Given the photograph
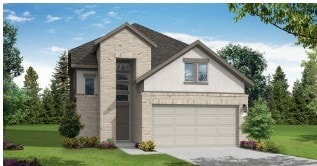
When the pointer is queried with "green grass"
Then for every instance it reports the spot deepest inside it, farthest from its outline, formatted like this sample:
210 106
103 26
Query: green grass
44 143
297 140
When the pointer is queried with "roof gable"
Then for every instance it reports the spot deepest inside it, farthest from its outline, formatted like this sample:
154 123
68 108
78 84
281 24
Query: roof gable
126 25
208 52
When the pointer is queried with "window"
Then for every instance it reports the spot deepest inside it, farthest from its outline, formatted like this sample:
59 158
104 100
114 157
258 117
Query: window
89 86
123 81
189 72
202 72
196 71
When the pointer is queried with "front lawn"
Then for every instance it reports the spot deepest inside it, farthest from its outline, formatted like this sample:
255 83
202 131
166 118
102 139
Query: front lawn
44 143
297 140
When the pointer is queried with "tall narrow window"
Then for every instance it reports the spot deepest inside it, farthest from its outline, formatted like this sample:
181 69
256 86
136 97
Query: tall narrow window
89 86
189 72
202 72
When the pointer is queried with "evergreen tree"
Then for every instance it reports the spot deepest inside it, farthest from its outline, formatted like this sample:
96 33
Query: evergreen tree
258 122
305 92
32 89
48 104
252 64
280 99
61 77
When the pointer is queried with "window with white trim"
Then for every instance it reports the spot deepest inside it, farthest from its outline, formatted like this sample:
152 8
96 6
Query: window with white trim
90 82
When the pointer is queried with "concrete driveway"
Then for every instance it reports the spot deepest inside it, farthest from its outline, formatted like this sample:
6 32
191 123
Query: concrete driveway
232 156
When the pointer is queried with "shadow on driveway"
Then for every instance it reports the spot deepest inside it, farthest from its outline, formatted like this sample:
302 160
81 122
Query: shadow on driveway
269 161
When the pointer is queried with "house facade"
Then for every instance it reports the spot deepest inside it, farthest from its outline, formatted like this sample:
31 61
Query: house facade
135 84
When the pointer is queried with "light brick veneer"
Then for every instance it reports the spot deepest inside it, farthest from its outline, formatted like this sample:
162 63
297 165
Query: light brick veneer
87 108
150 98
124 44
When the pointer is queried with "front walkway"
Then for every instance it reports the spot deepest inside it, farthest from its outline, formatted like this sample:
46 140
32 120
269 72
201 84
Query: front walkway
129 148
232 156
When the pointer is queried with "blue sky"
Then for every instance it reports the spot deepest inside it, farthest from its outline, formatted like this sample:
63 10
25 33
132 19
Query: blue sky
47 29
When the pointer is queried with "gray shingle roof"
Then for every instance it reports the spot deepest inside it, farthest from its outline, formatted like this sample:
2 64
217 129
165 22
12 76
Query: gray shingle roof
166 47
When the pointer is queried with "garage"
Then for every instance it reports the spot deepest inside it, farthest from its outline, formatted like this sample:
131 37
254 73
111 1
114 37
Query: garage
194 125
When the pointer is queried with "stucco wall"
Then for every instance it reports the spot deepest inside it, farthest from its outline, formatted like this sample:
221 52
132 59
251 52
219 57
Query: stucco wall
150 98
171 77
123 44
87 107
80 80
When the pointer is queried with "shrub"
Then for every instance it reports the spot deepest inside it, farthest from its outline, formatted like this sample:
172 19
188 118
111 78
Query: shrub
272 147
70 124
15 162
248 144
109 144
147 146
88 142
70 143
261 146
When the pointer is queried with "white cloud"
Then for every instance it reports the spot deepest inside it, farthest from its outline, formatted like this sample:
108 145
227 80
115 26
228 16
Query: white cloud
113 14
44 72
288 56
51 18
85 15
56 49
78 38
14 18
98 25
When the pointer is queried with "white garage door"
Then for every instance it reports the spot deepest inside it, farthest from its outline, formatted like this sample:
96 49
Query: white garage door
188 125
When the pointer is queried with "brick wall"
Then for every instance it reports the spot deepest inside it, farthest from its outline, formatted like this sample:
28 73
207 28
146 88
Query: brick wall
87 107
124 44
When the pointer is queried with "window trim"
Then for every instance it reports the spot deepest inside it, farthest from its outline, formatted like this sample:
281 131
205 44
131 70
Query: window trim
196 62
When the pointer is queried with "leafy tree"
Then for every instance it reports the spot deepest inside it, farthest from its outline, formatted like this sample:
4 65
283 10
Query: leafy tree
252 64
258 122
14 100
70 124
280 98
298 19
11 55
32 89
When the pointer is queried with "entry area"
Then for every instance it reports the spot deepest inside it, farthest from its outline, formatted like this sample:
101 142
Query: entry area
194 125
123 83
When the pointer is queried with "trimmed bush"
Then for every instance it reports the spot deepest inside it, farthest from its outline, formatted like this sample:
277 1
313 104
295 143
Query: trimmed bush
248 144
272 147
70 143
147 146
15 162
88 142
109 144
81 142
70 124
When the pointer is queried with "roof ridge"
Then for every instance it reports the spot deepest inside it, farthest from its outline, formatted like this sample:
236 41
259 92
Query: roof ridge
142 26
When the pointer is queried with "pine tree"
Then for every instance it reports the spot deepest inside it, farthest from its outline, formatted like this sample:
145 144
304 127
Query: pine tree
305 92
280 99
61 77
32 89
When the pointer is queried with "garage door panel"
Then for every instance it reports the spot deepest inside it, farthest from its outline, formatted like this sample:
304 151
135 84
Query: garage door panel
185 141
185 131
226 131
164 141
207 120
163 120
185 120
184 111
207 141
227 121
226 140
207 131
163 131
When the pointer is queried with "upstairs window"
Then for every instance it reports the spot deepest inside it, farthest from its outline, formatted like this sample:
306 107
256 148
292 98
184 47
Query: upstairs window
90 83
196 71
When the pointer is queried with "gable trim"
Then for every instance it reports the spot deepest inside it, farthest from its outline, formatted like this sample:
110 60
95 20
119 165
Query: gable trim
126 25
210 53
